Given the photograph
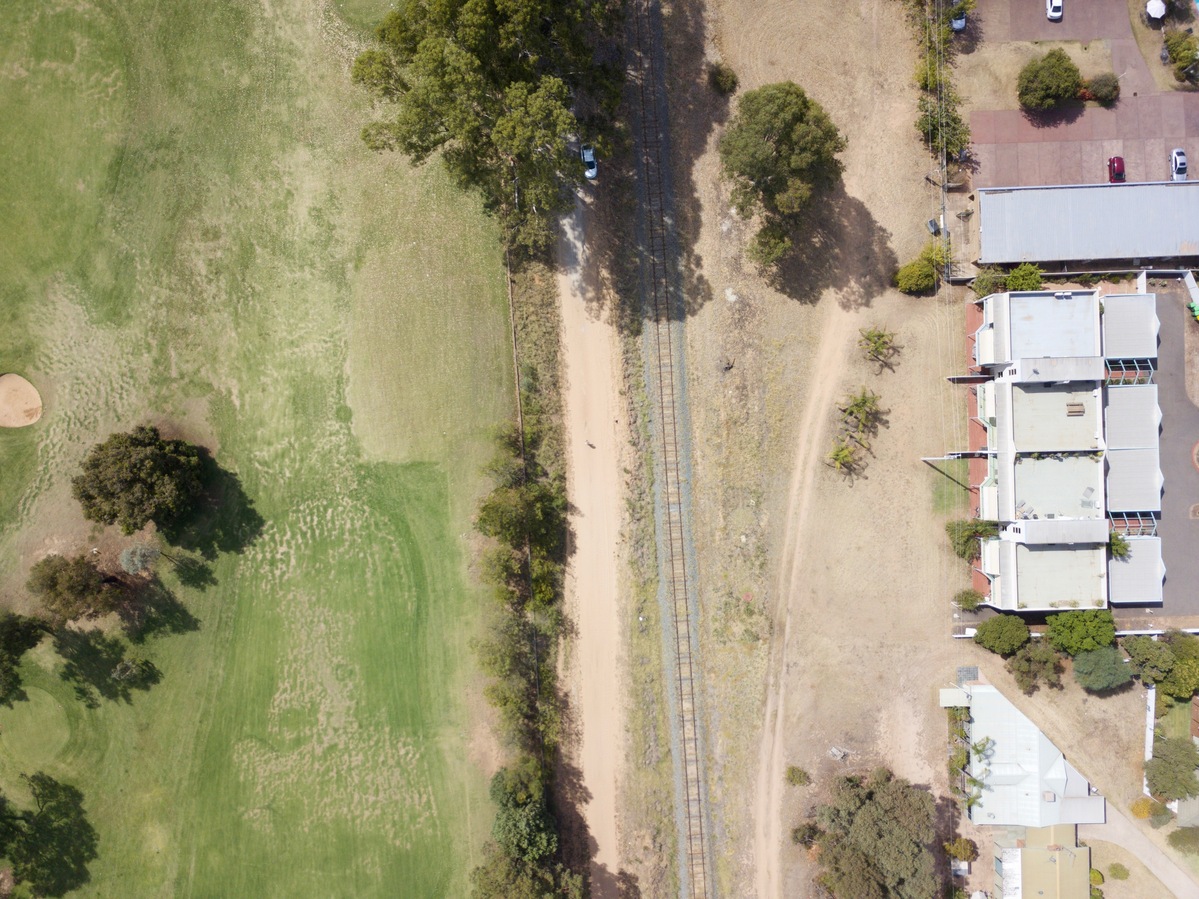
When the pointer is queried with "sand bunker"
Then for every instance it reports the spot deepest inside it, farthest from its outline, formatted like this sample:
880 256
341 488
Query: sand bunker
20 403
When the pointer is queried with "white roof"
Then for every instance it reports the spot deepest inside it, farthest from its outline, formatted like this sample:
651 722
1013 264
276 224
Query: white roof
1130 326
1137 578
1131 416
1044 577
1044 323
1154 220
1064 530
1026 780
1134 480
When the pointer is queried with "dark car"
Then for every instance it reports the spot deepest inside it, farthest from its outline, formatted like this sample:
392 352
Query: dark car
1115 170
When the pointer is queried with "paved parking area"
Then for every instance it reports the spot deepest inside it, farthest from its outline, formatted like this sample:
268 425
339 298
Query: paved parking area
1013 149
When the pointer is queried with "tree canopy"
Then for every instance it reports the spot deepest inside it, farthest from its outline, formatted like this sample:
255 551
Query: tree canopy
780 148
135 478
876 837
1003 634
1149 659
1081 630
71 588
492 87
1171 771
51 844
778 152
18 635
1100 670
1049 81
1033 662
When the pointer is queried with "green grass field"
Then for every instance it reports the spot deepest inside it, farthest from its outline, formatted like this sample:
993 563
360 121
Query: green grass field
194 236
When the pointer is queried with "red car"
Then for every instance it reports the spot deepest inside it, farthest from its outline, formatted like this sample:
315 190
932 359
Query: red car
1115 170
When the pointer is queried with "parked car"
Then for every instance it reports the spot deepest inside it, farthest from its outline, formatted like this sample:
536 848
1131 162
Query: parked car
1178 164
1115 170
1053 10
590 167
957 18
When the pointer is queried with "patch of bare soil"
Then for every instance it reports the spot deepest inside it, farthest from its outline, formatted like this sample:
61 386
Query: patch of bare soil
20 403
987 76
1141 883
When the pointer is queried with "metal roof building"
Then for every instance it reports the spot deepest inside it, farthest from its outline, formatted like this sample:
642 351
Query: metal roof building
1155 220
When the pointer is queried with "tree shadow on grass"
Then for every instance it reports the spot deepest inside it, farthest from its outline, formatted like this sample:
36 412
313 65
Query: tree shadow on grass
54 841
223 520
95 664
155 610
838 246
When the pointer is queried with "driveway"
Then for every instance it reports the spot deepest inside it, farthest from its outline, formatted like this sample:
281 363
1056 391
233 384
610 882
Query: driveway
1013 150
1121 830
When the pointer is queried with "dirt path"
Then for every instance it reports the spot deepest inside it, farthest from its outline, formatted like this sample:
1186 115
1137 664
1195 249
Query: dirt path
594 447
825 381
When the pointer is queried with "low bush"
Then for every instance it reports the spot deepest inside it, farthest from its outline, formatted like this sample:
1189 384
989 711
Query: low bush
1142 807
1003 634
1096 877
917 277
722 78
968 600
962 849
798 777
1104 89
1185 839
1117 871
965 533
1160 815
1025 276
1182 48
989 281
806 834
769 245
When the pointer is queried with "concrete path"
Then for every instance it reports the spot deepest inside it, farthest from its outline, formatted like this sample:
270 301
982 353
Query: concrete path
1122 831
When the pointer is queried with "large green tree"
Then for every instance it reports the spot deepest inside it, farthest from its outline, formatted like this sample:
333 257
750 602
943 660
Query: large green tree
778 152
1081 630
135 478
492 85
1003 634
1100 670
876 837
1171 771
51 844
1048 81
71 588
1033 662
18 635
1151 660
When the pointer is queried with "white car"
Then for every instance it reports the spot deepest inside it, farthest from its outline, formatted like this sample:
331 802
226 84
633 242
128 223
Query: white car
1178 164
1053 10
590 168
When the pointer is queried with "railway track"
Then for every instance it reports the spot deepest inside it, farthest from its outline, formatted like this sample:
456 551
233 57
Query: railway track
695 872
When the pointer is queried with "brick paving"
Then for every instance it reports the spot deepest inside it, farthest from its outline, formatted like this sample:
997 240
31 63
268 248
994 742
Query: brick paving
1013 149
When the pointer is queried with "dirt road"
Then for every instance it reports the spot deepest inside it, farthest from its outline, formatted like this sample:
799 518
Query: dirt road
594 447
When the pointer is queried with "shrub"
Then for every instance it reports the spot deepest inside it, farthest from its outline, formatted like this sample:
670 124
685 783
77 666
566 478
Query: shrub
1183 679
71 588
1101 670
1185 839
1160 815
798 777
917 277
1035 661
806 834
1182 48
1025 276
989 281
1081 631
964 535
1096 877
1105 88
1049 81
940 123
968 600
962 849
1117 546
1117 871
722 78
1141 807
1171 771
1003 634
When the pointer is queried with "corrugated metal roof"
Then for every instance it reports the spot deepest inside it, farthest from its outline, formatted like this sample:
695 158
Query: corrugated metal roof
1153 220
1131 416
1137 578
1130 326
1134 480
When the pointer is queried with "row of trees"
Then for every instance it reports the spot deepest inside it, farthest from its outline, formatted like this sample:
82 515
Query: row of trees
524 516
493 88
